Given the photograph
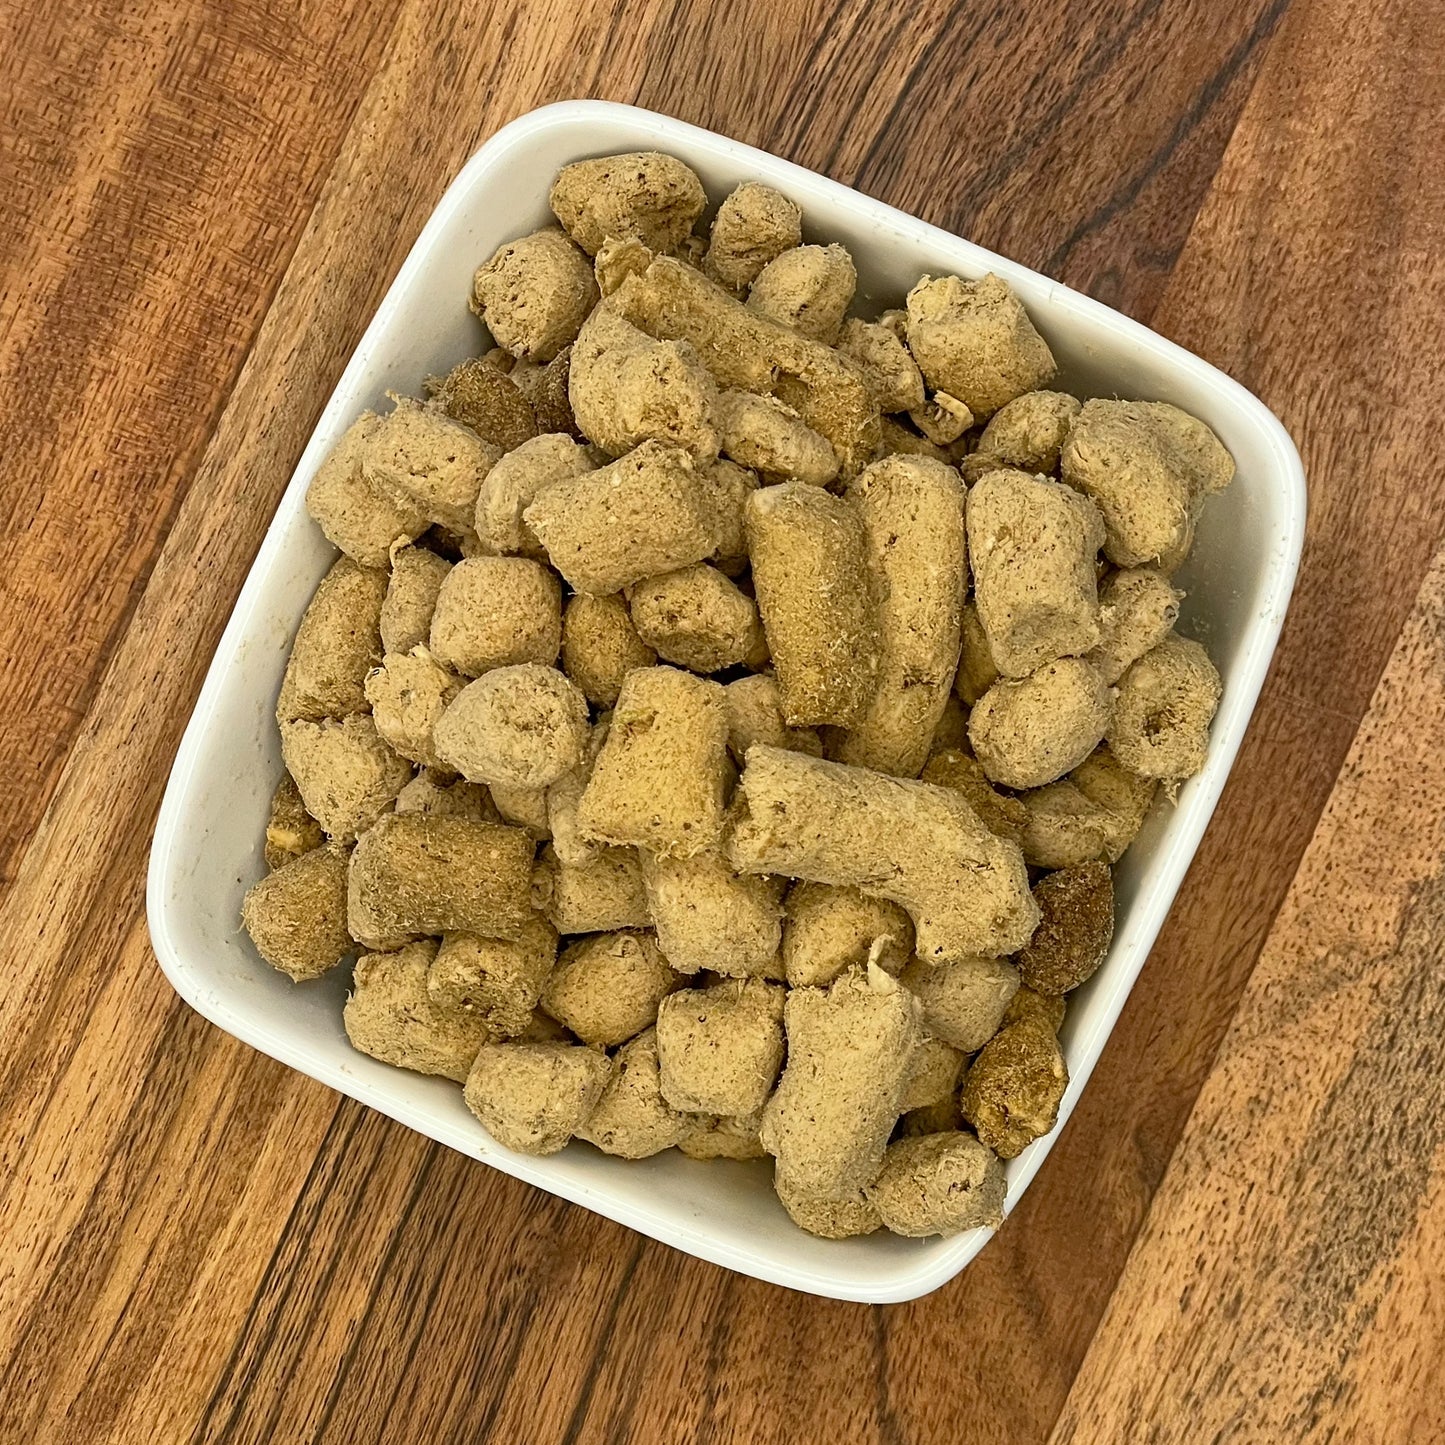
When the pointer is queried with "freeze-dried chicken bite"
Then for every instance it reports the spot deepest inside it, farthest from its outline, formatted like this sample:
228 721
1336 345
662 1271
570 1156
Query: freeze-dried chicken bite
597 896
939 1184
809 289
708 916
942 419
728 487
337 644
1091 815
1076 926
760 432
290 829
516 481
892 374
411 597
1003 815
565 794
932 1074
496 612
754 224
356 515
545 388
1160 727
974 340
408 693
1138 607
721 1047
977 671
600 646
618 258
296 916
1026 433
497 979
648 512
723 1136
1029 731
626 389
521 726
696 618
828 1218
1032 544
533 1097
755 715
654 197
438 793
421 458
346 774
828 930
1013 1089
1040 1008
534 294
817 600
482 396
963 1001
606 988
632 1120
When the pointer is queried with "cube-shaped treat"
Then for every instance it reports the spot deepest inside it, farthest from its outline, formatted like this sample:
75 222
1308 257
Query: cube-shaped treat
632 1120
642 194
939 1184
830 929
1012 1093
516 481
408 694
721 1047
411 598
498 979
808 289
496 612
534 294
600 646
696 618
760 433
1076 926
753 224
723 1136
296 916
963 1001
290 829
346 774
827 1217
603 894
606 988
337 644
534 1097
1160 723
709 916
755 715
357 516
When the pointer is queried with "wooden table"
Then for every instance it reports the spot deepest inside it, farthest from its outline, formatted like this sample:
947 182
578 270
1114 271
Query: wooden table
1239 1237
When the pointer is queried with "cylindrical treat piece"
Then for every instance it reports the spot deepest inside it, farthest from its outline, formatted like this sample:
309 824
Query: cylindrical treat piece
519 726
696 618
721 1047
1091 815
974 340
817 599
1041 1008
408 693
829 930
411 598
708 916
516 482
1138 608
296 916
1013 1089
1029 731
1033 545
600 646
606 988
723 1137
337 644
411 874
534 1097
290 829
1003 815
534 294
653 197
356 516
893 375
842 1218
632 1120
496 612
849 1048
597 896
648 512
919 845
760 432
421 458
1160 726
809 288
498 979
939 1184
912 511
728 487
1027 433
754 224
660 781
344 771
963 1001
1076 926
432 793
755 715
977 671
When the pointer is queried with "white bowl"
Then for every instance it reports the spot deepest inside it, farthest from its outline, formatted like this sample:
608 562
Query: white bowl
207 842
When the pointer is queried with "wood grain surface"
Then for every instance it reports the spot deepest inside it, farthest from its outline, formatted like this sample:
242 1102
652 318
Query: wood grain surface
207 203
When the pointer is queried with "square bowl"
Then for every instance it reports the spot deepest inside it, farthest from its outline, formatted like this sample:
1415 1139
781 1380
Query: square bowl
206 850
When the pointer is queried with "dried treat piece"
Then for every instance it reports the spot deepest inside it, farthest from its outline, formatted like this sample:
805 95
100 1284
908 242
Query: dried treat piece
648 512
411 874
1001 814
1103 780
337 644
977 671
963 1001
760 432
617 259
496 612
523 808
520 726
1093 814
606 988
720 1048
516 481
345 773
483 397
390 1016
644 194
296 916
939 1184
290 829
1076 926
817 599
534 1097
498 979
603 894
1013 1089
1029 731
600 646
829 930
632 1120
897 439
626 389
1148 466
919 845
1137 610
408 693
421 458
661 779
951 731
932 1074
534 294
849 1048
943 419
843 1218
974 340
893 375
708 916
357 516
438 793
545 388
809 288
942 1117
1027 433
755 715
1040 1008
544 1029
1166 701
728 487
912 511
723 1137
564 796
411 597
754 224
1033 544
696 618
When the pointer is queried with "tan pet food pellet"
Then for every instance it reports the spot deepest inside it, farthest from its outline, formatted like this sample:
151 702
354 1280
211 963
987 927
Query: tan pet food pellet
1028 432
598 896
408 693
828 930
411 597
606 988
600 646
421 458
483 397
632 1120
932 1074
809 289
617 259
434 793
893 375
497 612
943 419
523 808
723 1137
844 1218
1125 796
516 481
977 671
355 515
498 979
564 796
533 1097
754 224
708 916
1002 814
290 829
964 1001
761 433
1138 608
755 715
939 1184
1093 814
1013 1089
346 775
390 1016
337 644
1076 926
897 440
654 197
1160 726
696 618
1041 1008
721 1048
728 487
534 294
296 916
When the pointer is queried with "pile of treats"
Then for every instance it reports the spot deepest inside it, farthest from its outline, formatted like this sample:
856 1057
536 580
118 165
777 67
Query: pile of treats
719 727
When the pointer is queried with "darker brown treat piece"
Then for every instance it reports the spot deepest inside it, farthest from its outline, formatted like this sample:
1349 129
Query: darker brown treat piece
1012 1092
477 394
1076 928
